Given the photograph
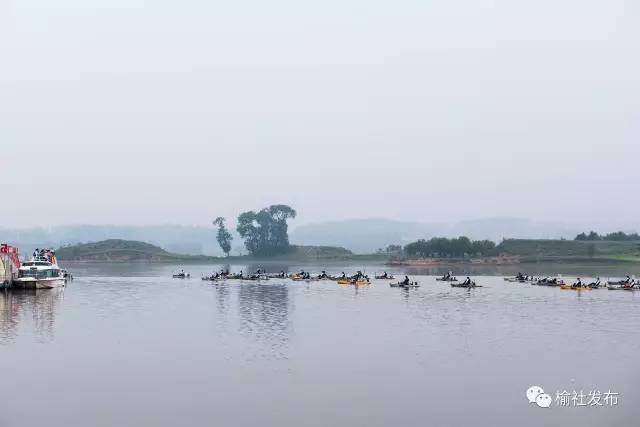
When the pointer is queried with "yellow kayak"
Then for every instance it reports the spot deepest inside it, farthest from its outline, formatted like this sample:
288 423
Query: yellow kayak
581 288
343 281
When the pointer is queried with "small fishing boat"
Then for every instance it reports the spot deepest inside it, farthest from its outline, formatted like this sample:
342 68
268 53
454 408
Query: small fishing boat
402 285
181 276
383 277
463 285
446 279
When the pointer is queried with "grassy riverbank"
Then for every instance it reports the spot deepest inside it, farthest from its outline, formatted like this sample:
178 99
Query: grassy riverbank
521 251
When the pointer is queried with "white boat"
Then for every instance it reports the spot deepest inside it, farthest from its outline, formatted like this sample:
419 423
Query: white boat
39 273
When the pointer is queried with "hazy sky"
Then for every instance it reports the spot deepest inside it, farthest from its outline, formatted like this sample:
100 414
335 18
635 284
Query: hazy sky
157 111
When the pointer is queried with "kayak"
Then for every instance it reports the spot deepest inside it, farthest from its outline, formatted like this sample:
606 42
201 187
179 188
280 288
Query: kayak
450 279
578 288
462 285
543 283
621 288
402 285
352 282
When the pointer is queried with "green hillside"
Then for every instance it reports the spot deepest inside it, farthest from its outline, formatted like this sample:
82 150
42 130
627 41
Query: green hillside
118 250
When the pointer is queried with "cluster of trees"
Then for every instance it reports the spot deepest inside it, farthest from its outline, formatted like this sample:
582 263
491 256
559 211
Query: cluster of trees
391 249
442 247
618 236
265 232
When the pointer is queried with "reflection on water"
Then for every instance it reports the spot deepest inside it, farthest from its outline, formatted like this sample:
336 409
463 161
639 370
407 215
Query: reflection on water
37 307
264 313
138 345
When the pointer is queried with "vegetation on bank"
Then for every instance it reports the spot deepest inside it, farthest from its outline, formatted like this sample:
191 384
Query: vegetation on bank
618 236
440 247
549 250
523 250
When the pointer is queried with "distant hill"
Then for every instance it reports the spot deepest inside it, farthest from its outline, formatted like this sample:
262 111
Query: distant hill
118 250
367 235
192 240
361 235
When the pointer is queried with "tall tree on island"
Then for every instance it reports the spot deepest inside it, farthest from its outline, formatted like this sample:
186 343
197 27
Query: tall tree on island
224 237
266 232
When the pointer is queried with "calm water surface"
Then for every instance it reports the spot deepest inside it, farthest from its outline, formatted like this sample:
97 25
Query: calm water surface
125 345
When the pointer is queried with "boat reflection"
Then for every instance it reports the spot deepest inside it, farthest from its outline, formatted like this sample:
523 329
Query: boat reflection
31 309
264 313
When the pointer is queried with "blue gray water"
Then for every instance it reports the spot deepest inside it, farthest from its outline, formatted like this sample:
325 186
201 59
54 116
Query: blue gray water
126 345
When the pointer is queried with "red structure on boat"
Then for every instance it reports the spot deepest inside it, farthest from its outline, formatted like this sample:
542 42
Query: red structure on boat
9 263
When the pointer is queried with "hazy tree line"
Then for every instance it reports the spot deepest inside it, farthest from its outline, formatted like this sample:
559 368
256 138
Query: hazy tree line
443 247
618 236
265 233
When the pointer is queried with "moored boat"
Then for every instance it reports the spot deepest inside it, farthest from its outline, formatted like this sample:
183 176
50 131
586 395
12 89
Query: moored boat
40 273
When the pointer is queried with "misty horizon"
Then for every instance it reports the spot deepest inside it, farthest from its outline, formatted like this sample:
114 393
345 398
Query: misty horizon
428 113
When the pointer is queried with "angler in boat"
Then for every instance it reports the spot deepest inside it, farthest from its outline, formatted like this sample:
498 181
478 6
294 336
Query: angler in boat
181 275
449 277
406 283
577 284
323 275
595 284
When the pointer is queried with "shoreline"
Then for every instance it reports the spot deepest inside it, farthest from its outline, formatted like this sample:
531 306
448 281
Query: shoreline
511 260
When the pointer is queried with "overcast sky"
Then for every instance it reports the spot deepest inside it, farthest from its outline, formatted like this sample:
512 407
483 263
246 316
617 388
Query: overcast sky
157 111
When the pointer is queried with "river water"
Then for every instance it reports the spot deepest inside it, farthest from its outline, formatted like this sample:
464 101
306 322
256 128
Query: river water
126 345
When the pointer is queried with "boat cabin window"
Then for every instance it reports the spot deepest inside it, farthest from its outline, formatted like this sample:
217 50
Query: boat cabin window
39 274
